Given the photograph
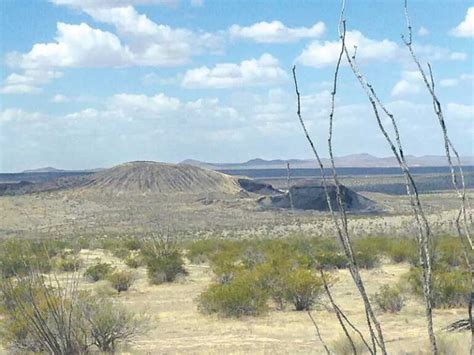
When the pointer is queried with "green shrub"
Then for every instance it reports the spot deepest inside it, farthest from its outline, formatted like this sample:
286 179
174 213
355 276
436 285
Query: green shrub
121 280
69 263
451 288
448 252
99 271
401 250
134 261
18 258
239 297
343 346
165 268
302 288
389 299
110 323
367 252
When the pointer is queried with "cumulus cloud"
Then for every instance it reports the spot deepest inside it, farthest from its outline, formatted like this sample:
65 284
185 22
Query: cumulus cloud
276 32
409 84
264 70
423 31
139 41
450 82
60 99
466 27
76 46
28 82
110 3
320 54
460 110
156 44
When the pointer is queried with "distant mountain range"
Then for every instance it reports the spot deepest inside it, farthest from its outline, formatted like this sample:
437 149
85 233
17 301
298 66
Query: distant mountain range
50 169
349 161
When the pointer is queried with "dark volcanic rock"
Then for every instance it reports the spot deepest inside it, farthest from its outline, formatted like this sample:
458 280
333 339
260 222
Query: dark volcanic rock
313 197
256 187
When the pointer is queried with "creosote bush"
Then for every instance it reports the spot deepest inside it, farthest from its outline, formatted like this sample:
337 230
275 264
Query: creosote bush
121 280
99 271
40 317
163 260
68 263
389 299
240 297
451 288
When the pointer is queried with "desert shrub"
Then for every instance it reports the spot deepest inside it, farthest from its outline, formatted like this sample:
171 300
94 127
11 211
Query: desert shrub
68 263
99 271
165 268
38 317
18 258
110 323
239 297
163 259
367 252
121 253
134 261
401 250
302 288
121 280
132 243
343 346
448 252
389 299
451 288
200 250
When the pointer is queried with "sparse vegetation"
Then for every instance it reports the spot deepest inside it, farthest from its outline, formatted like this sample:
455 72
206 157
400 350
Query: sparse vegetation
121 280
389 299
99 271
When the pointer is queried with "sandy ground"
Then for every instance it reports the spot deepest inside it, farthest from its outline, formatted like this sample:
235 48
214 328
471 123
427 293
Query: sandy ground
178 327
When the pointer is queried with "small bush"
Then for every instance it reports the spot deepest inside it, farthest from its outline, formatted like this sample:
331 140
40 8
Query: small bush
451 288
240 297
18 258
342 345
111 323
389 299
302 288
134 261
367 252
69 263
401 250
121 280
164 268
99 271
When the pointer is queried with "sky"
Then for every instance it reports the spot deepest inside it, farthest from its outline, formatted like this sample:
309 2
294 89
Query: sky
94 83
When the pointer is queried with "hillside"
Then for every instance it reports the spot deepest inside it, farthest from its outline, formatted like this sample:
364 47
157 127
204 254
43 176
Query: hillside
147 177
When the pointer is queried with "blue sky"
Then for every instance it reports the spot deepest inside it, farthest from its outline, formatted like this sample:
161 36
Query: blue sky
93 83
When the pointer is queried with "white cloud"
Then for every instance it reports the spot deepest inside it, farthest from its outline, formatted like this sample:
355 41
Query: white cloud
264 70
276 32
28 81
423 31
449 82
19 115
110 3
319 54
410 83
19 89
60 99
461 111
466 27
133 103
76 46
142 42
